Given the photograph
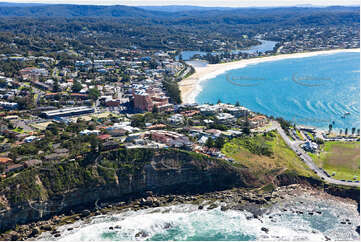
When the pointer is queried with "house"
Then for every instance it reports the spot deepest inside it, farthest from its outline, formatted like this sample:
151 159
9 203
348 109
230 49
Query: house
33 162
214 133
30 139
90 132
104 136
14 168
170 138
5 160
225 118
176 119
258 121
110 145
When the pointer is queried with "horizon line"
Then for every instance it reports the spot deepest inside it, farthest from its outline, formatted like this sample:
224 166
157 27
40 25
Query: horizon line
199 4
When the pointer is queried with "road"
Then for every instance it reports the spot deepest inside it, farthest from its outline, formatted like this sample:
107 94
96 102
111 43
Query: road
294 145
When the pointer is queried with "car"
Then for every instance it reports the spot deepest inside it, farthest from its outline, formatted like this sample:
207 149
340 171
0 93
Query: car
343 180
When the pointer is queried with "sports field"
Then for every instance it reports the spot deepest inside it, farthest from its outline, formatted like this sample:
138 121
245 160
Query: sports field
340 158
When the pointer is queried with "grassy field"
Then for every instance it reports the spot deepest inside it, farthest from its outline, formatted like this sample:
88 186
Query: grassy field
282 158
299 135
343 158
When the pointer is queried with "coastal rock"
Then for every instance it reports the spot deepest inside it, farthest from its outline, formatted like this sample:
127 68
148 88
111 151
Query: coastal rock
14 235
35 232
212 206
46 227
85 213
167 226
141 234
224 208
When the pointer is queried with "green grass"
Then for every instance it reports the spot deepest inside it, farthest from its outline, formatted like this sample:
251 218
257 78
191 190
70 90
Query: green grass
18 130
299 135
311 135
343 158
281 159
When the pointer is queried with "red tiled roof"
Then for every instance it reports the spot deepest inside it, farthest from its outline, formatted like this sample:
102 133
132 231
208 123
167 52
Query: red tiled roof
104 136
4 160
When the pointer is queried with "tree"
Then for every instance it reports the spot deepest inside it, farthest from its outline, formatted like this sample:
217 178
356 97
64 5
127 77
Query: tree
52 128
76 86
56 87
155 109
319 141
340 131
237 104
353 131
209 142
219 101
219 142
358 132
329 128
346 131
93 93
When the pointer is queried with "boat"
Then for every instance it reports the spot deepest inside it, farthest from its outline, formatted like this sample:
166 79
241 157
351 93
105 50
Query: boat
345 114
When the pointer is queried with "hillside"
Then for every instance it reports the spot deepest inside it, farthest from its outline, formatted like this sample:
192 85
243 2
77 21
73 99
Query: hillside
68 10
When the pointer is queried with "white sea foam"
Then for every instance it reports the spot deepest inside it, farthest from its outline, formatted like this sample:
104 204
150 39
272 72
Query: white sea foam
186 222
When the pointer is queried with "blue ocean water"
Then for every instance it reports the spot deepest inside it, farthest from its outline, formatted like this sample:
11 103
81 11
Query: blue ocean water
314 91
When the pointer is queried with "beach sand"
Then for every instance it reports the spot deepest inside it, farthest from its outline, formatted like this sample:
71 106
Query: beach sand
190 87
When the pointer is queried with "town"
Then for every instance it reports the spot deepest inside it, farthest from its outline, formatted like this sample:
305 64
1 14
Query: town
76 101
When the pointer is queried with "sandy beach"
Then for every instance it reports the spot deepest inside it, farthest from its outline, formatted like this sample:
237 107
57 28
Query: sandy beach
190 87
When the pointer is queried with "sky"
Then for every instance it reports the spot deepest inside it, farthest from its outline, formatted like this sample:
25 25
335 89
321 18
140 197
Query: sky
208 3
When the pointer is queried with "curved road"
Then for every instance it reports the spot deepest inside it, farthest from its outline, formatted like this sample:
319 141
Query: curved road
294 145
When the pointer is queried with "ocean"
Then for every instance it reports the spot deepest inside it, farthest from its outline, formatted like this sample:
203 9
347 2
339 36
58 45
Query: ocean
314 91
320 218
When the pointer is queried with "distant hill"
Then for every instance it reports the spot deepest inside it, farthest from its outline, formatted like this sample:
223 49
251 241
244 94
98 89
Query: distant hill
68 10
181 8
174 12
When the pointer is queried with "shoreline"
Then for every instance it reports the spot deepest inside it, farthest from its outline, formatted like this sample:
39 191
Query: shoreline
255 202
191 86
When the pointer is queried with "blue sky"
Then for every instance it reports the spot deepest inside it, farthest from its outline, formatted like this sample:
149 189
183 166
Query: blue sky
214 3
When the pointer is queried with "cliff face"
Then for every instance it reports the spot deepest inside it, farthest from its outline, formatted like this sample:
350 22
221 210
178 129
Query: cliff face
39 193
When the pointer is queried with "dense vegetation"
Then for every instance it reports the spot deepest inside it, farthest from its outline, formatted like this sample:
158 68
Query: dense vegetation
52 27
